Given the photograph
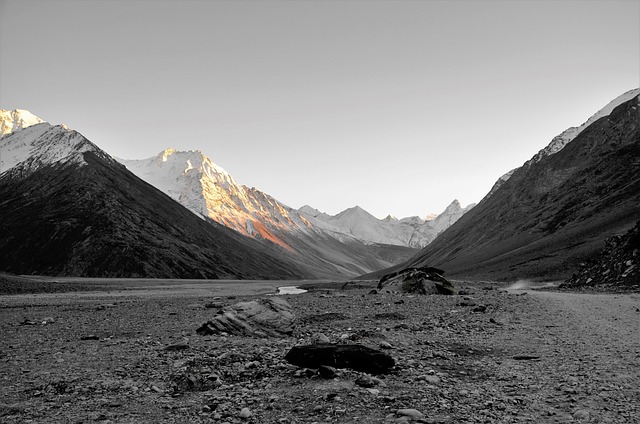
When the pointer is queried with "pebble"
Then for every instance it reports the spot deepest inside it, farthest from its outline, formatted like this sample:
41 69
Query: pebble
327 372
365 381
433 379
245 413
320 338
409 412
581 415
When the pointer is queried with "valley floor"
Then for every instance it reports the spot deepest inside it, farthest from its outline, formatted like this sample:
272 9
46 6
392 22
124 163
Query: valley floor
488 356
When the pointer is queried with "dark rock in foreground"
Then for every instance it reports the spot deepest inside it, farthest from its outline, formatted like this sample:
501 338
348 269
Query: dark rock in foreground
354 356
425 280
263 317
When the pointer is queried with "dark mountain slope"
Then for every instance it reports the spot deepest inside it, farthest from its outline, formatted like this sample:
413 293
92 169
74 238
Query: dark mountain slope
100 220
550 215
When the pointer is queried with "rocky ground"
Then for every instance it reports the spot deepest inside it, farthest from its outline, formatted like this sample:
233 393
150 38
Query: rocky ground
485 356
616 268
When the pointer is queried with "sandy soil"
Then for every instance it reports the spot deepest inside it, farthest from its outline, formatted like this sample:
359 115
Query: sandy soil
489 355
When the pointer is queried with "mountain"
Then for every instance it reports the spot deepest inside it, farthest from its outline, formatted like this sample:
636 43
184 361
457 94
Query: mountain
303 236
346 245
555 210
68 208
412 231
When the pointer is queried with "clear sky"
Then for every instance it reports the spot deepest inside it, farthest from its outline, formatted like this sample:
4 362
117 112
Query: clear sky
396 106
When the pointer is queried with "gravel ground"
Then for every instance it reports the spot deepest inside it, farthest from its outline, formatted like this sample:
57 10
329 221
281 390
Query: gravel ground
486 356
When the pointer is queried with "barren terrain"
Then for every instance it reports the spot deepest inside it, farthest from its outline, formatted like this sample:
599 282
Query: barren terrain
127 352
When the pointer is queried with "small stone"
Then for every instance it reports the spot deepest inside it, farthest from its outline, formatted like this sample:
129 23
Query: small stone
90 337
386 345
409 412
365 381
581 415
526 358
245 413
320 338
326 372
432 379
176 346
156 389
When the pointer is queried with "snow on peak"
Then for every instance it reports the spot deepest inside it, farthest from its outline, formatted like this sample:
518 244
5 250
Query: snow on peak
558 142
15 120
43 143
164 155
564 138
208 190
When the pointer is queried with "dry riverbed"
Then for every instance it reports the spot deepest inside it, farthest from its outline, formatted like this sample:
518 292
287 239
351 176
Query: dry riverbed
131 355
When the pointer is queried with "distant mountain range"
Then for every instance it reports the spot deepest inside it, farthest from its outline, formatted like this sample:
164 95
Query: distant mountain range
346 245
57 167
543 219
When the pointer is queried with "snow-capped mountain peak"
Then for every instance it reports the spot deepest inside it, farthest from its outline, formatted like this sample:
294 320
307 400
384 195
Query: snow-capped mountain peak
15 120
41 144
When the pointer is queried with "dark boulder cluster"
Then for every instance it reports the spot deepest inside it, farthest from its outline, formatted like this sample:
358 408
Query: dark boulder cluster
425 280
616 267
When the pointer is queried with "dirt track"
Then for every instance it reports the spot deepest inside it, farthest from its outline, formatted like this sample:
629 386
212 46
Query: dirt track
534 357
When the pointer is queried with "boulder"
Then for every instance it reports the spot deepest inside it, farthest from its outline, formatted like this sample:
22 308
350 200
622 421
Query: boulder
426 280
269 316
354 356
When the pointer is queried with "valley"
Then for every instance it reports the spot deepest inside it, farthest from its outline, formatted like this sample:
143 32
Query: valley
319 212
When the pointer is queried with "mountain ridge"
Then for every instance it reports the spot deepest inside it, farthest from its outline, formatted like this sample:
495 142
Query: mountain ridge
70 209
553 212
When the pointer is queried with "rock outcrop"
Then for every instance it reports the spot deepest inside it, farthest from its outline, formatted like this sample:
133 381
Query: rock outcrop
425 280
354 356
617 267
264 317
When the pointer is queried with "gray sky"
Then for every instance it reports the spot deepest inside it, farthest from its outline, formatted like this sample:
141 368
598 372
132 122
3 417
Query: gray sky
396 106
